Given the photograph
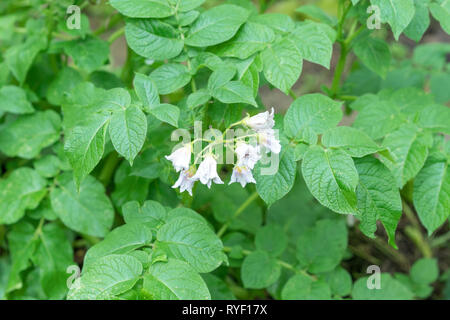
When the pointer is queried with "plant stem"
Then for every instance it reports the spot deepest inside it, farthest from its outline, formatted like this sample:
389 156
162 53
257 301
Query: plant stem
108 169
239 210
414 232
292 94
439 241
339 70
117 34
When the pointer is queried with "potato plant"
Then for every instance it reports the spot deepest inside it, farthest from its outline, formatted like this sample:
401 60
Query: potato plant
101 199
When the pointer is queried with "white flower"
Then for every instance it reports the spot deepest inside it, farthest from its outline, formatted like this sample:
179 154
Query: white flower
247 155
181 157
262 120
243 175
185 182
207 171
268 140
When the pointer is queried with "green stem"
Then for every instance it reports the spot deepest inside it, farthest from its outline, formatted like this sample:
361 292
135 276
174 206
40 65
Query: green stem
236 214
117 34
108 169
439 241
339 70
292 94
414 232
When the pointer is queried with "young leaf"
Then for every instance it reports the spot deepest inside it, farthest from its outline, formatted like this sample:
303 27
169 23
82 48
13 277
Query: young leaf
398 14
88 210
302 287
374 53
153 39
146 91
143 9
282 64
29 134
85 145
14 100
312 111
170 77
378 198
431 194
216 25
128 130
107 277
331 177
409 149
259 270
353 141
167 113
174 280
272 186
188 239
23 189
322 247
121 240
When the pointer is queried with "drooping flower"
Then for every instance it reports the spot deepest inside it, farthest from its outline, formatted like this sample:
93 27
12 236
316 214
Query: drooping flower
268 140
181 157
185 181
247 155
207 171
263 120
243 175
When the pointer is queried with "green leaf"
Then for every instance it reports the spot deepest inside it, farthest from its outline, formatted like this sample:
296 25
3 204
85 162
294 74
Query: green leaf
53 255
48 166
431 55
391 289
425 271
250 39
216 25
374 53
331 177
146 91
26 136
421 21
439 83
107 277
317 13
431 194
302 287
272 239
143 9
259 270
314 112
278 21
234 92
14 100
398 14
435 117
153 39
217 287
151 213
19 58
198 98
408 147
22 244
85 145
340 281
23 189
353 141
170 77
88 54
128 130
88 211
190 240
313 43
282 64
322 247
221 76
441 12
174 280
378 198
273 185
121 240
166 113
65 81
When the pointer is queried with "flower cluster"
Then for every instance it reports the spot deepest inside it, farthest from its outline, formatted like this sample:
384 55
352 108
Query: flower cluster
247 155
